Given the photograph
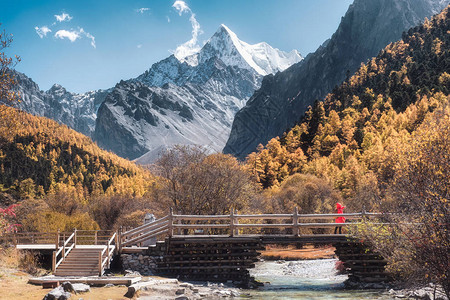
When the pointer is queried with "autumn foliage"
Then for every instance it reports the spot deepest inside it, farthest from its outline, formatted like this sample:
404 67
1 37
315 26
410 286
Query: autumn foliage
348 138
7 218
381 139
57 173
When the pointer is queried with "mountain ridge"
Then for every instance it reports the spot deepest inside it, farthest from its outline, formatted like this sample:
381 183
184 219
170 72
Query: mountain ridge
188 101
78 111
365 29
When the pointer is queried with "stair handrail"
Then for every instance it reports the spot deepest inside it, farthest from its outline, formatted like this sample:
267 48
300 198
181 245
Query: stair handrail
63 250
108 250
142 228
163 229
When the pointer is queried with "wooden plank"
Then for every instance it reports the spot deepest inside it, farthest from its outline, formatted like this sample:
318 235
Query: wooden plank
265 216
200 226
88 280
264 225
194 262
200 217
36 246
204 267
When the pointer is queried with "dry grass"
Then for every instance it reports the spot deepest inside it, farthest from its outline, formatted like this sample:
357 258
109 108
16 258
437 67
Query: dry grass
13 285
25 261
291 253
14 281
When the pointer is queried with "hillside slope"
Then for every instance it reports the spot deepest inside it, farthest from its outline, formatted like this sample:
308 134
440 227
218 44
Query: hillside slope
352 136
367 27
39 156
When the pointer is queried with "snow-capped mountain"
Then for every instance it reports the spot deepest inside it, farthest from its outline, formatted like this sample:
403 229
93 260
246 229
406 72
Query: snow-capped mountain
78 111
260 57
186 101
226 46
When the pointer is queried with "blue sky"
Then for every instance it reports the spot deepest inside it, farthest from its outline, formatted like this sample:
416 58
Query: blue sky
120 39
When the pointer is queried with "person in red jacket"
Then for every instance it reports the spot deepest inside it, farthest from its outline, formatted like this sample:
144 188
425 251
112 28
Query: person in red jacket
340 210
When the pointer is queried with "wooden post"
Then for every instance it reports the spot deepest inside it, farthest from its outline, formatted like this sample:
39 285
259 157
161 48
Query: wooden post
116 241
100 263
57 239
170 222
295 230
75 238
64 251
95 238
119 239
108 254
232 222
236 222
54 262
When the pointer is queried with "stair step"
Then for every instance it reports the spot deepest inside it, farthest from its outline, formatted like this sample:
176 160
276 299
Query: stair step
75 272
80 275
81 258
78 263
77 267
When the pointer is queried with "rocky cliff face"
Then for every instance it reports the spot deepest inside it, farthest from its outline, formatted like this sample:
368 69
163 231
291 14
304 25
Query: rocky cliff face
188 101
78 111
367 27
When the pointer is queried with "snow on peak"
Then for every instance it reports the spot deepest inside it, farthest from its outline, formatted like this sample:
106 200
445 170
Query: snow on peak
261 57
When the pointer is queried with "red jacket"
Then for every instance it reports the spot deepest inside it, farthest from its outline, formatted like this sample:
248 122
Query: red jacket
340 210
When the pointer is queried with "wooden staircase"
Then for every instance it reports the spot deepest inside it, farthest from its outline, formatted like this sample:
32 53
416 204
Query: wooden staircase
91 259
80 262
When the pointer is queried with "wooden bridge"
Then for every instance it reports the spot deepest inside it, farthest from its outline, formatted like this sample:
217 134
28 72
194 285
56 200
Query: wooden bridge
270 228
206 247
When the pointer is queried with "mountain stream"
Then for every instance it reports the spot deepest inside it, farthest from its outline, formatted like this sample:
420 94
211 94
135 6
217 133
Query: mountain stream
305 279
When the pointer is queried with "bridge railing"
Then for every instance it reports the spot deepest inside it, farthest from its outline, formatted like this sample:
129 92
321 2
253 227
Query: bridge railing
21 238
261 224
239 225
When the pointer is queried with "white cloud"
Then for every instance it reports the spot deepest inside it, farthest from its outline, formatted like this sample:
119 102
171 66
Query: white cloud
89 36
181 7
139 46
42 31
65 34
168 19
73 35
190 47
63 17
142 10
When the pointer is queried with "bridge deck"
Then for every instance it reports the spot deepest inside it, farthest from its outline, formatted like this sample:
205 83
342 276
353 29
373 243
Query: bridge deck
36 246
53 246
265 239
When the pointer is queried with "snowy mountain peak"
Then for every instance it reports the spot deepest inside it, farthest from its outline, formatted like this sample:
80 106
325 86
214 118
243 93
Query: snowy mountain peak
261 57
57 90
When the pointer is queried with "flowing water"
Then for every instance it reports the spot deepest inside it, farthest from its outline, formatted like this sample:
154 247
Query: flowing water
307 279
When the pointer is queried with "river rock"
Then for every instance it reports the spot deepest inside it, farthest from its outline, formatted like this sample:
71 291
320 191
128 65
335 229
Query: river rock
76 287
81 287
57 294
